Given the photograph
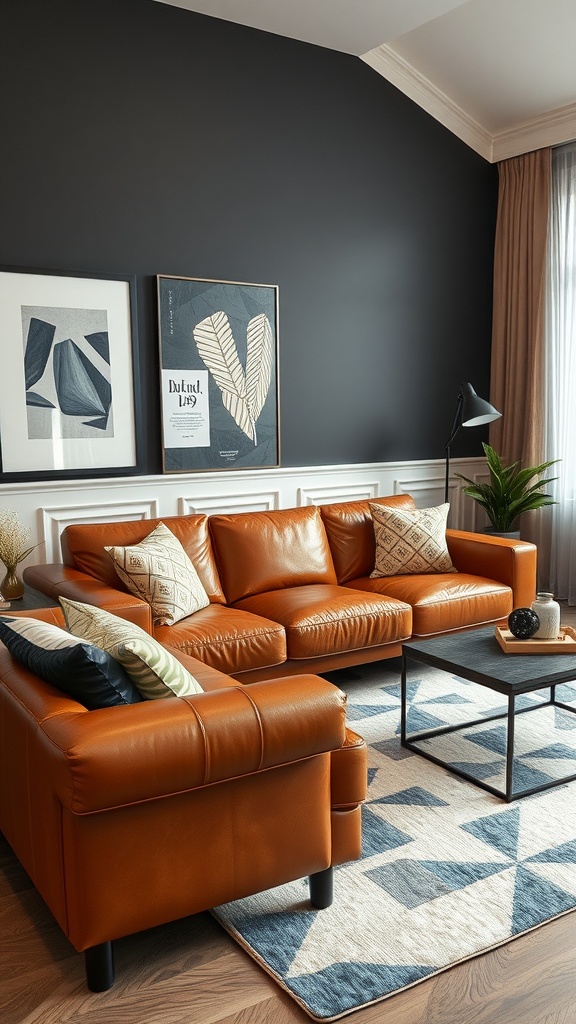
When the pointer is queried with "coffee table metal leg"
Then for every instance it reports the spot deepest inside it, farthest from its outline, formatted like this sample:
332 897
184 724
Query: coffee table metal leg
510 747
403 710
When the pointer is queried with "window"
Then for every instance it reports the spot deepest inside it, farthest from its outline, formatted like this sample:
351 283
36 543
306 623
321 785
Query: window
560 369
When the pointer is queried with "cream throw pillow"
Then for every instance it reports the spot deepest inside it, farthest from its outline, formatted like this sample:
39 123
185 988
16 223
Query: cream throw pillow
152 669
410 541
159 571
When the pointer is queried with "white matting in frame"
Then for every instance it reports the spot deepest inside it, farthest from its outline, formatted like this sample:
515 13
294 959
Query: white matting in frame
67 381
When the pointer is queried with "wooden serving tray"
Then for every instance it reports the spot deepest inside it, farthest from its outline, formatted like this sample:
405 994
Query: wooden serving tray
565 643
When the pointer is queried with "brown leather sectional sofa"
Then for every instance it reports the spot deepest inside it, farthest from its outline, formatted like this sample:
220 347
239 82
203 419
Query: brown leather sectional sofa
127 817
290 590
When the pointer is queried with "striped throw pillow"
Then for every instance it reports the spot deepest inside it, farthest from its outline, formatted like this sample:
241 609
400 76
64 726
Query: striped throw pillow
152 669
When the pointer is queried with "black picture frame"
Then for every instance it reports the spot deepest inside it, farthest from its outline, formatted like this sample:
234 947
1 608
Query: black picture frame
68 403
219 380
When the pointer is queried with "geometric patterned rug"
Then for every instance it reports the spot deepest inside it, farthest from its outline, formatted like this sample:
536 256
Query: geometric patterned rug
448 871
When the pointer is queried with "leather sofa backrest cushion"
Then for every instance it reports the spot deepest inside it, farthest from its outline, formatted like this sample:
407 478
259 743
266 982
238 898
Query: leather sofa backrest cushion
261 551
350 532
83 547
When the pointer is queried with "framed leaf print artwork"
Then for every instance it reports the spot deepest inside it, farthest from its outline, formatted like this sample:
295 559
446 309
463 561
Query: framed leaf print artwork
67 384
219 374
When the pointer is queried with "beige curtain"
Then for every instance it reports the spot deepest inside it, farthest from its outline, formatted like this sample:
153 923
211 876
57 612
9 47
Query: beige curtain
517 375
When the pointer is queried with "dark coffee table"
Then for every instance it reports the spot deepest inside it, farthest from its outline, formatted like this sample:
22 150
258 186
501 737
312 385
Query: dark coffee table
477 656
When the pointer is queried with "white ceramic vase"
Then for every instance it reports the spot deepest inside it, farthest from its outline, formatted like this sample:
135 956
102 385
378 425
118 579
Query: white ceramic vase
548 611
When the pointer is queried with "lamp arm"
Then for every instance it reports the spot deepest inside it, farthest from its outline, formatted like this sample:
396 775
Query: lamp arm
455 428
456 424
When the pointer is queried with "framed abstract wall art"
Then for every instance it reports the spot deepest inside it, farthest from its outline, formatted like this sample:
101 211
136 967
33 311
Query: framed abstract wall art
219 374
67 383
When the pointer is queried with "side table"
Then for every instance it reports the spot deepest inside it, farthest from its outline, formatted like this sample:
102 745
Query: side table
32 599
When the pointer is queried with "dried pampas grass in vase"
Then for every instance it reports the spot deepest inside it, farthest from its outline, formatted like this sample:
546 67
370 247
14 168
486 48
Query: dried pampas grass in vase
13 538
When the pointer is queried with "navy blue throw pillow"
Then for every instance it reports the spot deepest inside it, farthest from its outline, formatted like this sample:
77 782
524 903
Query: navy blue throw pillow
83 671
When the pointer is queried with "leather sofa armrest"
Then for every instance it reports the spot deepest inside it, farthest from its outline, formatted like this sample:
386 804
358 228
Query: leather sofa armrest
512 562
349 771
59 580
125 755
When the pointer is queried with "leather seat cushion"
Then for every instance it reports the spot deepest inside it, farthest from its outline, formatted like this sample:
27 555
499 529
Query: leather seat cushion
228 639
323 619
444 601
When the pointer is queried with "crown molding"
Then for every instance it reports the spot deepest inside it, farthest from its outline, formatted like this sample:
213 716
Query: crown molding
550 129
400 73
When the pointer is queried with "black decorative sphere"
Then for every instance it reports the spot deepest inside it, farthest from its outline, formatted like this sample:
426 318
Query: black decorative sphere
523 623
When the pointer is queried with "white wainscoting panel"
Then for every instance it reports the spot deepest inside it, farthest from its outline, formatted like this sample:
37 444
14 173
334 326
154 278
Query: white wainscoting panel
46 508
330 494
426 490
473 515
251 501
53 520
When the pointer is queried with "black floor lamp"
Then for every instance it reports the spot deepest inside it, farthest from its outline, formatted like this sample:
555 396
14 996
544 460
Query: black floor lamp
471 411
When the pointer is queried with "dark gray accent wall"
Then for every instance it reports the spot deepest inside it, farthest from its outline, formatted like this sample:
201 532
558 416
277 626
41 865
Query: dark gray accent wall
140 138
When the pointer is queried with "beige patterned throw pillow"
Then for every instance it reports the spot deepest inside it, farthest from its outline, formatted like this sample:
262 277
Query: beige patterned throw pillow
410 541
152 669
159 571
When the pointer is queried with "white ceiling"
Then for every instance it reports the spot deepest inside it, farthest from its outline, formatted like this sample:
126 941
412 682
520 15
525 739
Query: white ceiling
500 74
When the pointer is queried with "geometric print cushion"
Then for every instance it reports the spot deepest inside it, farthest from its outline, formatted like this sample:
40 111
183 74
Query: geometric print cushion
151 668
159 571
410 540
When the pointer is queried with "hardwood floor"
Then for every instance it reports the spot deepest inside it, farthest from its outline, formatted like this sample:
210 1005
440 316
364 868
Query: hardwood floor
191 972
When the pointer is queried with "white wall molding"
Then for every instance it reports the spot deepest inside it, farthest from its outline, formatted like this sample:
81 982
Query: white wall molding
54 519
426 489
329 494
471 513
550 129
46 508
400 73
248 501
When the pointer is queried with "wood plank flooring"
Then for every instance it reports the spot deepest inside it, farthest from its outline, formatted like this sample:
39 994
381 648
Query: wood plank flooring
191 972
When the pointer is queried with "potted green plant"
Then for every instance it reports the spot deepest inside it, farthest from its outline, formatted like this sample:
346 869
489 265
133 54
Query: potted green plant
511 491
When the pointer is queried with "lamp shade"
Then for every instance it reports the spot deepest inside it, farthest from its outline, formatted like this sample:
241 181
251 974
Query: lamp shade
471 411
475 410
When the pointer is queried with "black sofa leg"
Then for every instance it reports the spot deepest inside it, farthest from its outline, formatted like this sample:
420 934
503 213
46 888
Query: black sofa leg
322 888
99 961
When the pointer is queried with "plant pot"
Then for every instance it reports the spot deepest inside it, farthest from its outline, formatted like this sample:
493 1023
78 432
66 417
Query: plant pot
511 535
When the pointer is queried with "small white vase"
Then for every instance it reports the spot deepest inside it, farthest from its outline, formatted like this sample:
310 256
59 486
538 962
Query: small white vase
548 611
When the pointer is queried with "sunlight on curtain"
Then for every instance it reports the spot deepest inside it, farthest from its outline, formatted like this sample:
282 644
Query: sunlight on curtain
560 370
